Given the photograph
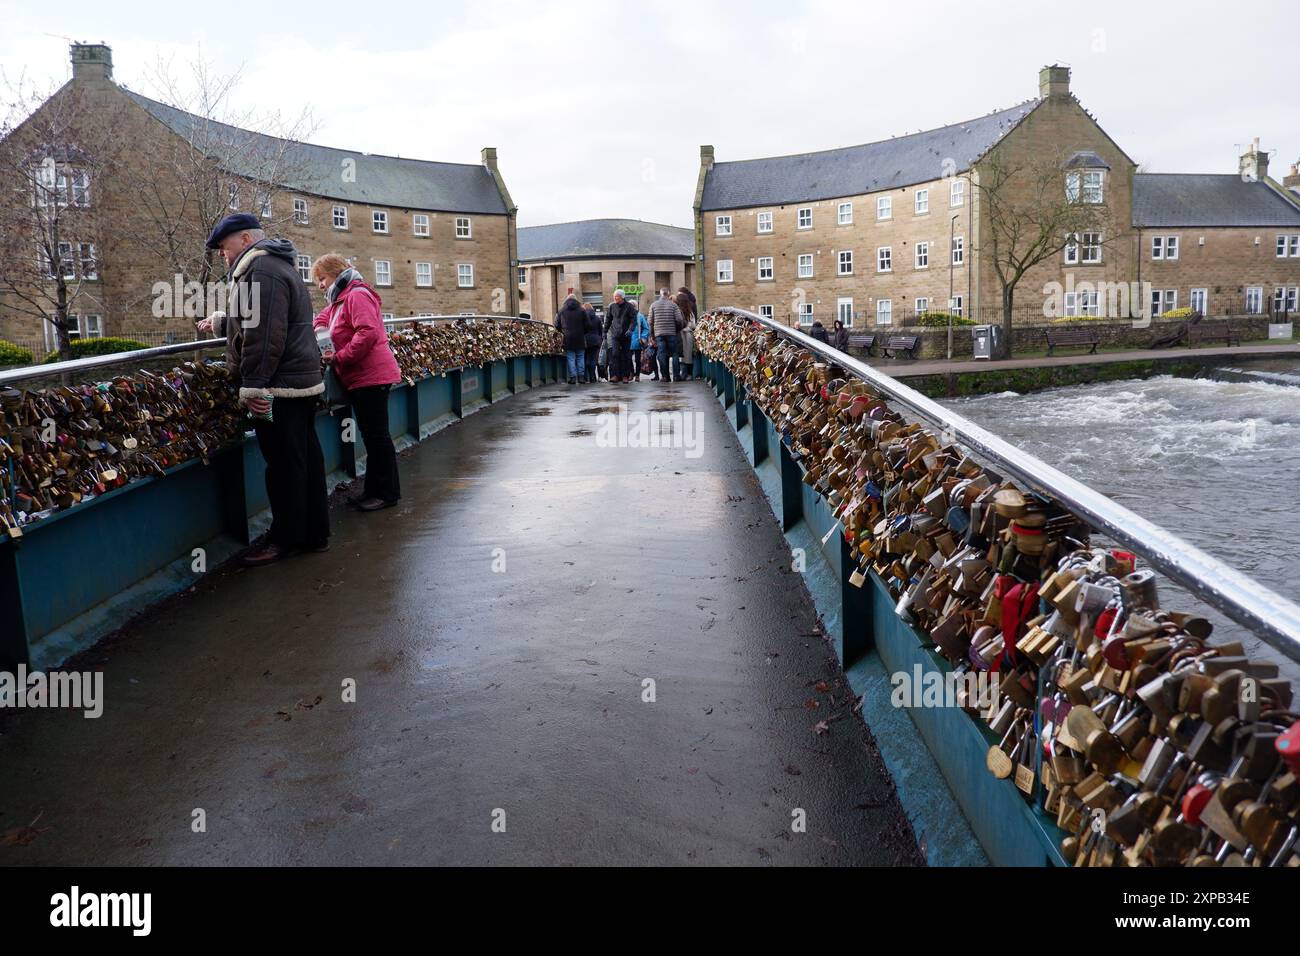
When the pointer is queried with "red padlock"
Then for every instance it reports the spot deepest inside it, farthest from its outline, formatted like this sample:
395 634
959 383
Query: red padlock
1288 747
1195 801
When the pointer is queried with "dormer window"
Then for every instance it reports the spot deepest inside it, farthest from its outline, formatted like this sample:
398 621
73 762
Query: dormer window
1085 178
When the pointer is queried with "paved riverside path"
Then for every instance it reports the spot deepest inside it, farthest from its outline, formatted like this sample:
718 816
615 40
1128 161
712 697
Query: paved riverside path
908 368
477 691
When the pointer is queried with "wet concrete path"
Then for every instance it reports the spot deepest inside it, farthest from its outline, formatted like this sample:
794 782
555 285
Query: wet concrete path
499 626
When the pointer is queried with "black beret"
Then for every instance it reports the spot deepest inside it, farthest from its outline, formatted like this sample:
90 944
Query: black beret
236 222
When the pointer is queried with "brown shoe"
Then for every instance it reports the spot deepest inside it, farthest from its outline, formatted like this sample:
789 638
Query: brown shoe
269 554
375 504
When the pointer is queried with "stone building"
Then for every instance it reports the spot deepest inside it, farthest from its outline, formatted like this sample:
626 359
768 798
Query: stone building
881 233
432 237
591 258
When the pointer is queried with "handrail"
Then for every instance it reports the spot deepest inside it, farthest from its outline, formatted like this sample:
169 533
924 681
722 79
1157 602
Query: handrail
1269 615
120 358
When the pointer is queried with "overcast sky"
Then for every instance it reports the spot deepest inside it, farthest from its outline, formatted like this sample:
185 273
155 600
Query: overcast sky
598 108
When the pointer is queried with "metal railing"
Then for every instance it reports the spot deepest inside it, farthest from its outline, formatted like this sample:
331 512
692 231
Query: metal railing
1269 615
28 372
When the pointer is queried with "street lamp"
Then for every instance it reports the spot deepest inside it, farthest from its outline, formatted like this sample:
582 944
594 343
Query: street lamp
952 227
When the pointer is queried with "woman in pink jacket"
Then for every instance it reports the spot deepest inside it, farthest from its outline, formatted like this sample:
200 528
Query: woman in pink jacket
357 348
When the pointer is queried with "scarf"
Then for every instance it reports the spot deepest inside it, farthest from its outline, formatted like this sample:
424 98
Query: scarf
341 283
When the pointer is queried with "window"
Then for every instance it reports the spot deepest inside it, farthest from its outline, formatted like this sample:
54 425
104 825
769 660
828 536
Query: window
805 313
724 270
922 201
844 312
1084 186
1072 250
424 274
922 305
955 304
1288 246
957 192
463 228
723 226
264 205
805 267
1162 300
923 255
845 214
340 217
846 262
61 186
1164 247
1255 300
766 311
885 259
93 326
300 212
884 208
1080 303
89 263
67 265
958 250
233 193
765 268
1090 244
383 272
465 275
523 277
1284 300
1198 300
764 222
1293 244
805 217
379 220
304 267
884 312
420 224
387 316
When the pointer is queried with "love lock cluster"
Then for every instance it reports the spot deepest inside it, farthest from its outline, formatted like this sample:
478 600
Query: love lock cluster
1148 743
433 348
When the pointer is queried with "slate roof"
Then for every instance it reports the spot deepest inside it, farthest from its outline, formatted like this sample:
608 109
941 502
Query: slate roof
605 239
1208 199
855 170
380 180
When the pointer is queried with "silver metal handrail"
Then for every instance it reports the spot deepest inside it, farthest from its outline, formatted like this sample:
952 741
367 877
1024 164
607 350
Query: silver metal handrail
123 358
1269 615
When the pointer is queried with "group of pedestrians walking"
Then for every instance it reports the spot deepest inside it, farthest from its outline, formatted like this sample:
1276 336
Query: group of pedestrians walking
625 344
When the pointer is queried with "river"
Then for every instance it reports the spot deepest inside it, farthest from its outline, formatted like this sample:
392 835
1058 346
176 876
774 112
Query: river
1214 460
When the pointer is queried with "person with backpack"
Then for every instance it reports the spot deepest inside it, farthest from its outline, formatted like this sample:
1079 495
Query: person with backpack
571 320
640 339
592 336
666 321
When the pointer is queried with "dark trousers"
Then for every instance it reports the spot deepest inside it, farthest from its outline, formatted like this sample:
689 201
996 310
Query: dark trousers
295 474
593 353
668 358
370 406
636 362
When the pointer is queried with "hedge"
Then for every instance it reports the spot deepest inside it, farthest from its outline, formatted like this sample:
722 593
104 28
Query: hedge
84 348
11 354
939 320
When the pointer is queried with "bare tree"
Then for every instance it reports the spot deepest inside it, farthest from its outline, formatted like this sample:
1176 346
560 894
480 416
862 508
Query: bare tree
1032 209
51 165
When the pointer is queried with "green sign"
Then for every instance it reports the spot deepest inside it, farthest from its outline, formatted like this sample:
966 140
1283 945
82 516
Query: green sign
630 289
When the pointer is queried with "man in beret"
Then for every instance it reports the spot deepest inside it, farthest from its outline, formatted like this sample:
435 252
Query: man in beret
272 352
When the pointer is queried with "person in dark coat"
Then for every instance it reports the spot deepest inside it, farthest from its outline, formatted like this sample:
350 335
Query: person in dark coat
271 348
841 337
818 331
618 337
592 336
571 320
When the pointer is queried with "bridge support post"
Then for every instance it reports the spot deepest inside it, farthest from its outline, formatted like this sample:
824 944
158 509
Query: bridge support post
728 390
457 395
742 407
855 611
759 421
791 490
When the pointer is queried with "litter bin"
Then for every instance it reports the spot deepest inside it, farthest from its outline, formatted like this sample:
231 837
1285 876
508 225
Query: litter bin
985 340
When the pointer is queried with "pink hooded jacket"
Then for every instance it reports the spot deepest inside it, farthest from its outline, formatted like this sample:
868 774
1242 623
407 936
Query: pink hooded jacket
361 353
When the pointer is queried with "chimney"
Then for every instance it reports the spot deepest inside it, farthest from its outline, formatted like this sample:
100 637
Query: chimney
1054 80
92 62
706 157
1292 179
1253 164
490 158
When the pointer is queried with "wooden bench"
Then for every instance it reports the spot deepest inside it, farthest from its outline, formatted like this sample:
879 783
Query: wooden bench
1212 332
901 343
1088 337
864 342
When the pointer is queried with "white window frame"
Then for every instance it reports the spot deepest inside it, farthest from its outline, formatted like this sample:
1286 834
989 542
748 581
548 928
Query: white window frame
232 192
956 193
722 226
842 270
303 262
884 208
885 259
464 227
1157 248
464 275
1202 293
339 217
379 222
1281 247
805 266
300 214
1163 300
765 219
92 326
922 304
1090 252
1071 252
921 251
807 313
88 261
884 312
842 314
67 267
420 225
1171 248
1255 300
958 256
384 272
424 275
805 212
264 206
767 311
523 275
725 271
766 264
957 304
1293 245
844 214
922 201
